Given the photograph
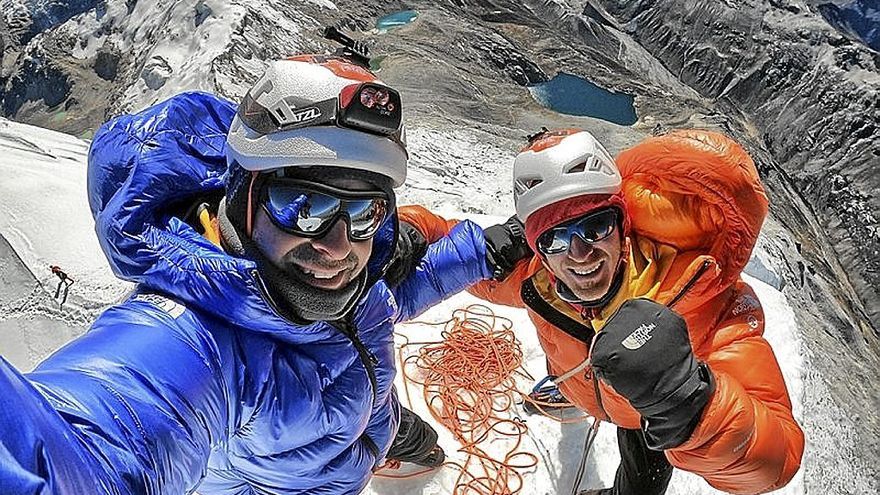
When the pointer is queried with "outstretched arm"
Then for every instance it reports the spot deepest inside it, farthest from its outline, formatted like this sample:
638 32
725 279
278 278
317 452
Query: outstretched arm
451 264
747 440
505 291
133 406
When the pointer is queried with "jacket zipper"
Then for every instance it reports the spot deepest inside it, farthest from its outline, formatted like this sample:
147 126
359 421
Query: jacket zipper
370 361
367 357
690 283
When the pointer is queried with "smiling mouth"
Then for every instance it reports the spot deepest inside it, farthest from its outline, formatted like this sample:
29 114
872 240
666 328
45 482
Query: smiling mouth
322 277
589 271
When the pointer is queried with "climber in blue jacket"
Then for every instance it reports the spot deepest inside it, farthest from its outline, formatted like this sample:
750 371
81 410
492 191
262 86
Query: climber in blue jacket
256 353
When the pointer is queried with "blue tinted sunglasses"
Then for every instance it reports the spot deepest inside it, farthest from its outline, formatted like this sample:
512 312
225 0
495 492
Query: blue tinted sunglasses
309 209
591 228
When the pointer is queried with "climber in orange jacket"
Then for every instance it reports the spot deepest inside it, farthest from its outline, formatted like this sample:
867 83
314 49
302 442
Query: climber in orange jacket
634 288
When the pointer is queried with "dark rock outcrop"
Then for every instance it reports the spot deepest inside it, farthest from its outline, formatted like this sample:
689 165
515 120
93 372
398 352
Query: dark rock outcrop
46 14
39 80
107 64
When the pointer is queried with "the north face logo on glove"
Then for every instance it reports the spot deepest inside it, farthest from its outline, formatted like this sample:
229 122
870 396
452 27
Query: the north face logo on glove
639 337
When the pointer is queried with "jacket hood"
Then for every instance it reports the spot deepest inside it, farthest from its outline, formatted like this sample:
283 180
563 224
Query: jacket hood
716 208
145 167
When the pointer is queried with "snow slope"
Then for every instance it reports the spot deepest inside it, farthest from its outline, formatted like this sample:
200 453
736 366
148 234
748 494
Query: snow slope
44 216
44 213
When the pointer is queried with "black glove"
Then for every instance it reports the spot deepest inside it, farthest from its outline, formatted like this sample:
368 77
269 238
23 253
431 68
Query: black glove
408 252
645 354
505 246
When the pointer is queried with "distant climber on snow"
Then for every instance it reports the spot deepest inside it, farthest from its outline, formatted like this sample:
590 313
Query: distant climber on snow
64 283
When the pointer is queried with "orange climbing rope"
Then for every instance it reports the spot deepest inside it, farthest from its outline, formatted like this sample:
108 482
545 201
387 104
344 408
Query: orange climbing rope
469 383
468 379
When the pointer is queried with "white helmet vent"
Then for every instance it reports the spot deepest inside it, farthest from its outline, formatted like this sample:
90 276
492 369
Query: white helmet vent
522 185
572 166
577 168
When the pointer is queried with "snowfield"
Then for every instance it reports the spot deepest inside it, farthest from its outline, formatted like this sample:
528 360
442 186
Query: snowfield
44 216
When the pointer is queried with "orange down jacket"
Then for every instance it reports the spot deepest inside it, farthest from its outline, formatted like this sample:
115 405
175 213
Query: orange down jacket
696 205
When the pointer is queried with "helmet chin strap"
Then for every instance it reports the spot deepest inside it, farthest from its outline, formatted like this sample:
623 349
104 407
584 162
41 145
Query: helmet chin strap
249 226
566 294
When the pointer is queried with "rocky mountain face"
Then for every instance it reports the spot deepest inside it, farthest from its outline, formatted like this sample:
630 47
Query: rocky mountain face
859 18
812 94
796 81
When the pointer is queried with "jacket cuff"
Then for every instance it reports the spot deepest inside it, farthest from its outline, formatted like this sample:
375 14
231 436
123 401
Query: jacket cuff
671 422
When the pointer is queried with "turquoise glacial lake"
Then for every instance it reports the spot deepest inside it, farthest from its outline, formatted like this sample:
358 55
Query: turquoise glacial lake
397 19
573 95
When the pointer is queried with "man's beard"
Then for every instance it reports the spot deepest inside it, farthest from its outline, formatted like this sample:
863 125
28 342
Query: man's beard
294 298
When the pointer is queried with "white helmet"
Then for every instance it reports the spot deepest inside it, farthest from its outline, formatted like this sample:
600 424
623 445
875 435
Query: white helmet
281 122
558 165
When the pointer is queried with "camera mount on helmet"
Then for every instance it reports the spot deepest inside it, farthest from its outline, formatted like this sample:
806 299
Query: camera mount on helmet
531 138
355 51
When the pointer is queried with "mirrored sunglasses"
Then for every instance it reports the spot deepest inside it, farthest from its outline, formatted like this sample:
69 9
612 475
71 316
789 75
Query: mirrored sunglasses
308 209
591 228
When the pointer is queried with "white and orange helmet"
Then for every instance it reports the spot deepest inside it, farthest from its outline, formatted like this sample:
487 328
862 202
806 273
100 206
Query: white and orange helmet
560 175
309 112
294 116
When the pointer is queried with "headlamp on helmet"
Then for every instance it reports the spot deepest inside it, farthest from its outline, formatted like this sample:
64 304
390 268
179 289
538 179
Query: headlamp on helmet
368 107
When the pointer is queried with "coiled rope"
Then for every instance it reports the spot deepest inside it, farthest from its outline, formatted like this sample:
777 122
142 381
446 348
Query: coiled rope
468 380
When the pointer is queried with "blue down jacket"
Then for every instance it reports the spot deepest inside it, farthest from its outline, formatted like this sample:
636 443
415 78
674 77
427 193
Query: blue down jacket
195 382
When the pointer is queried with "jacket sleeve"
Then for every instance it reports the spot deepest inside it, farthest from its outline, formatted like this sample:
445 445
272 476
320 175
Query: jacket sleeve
433 227
507 291
747 440
452 263
132 406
